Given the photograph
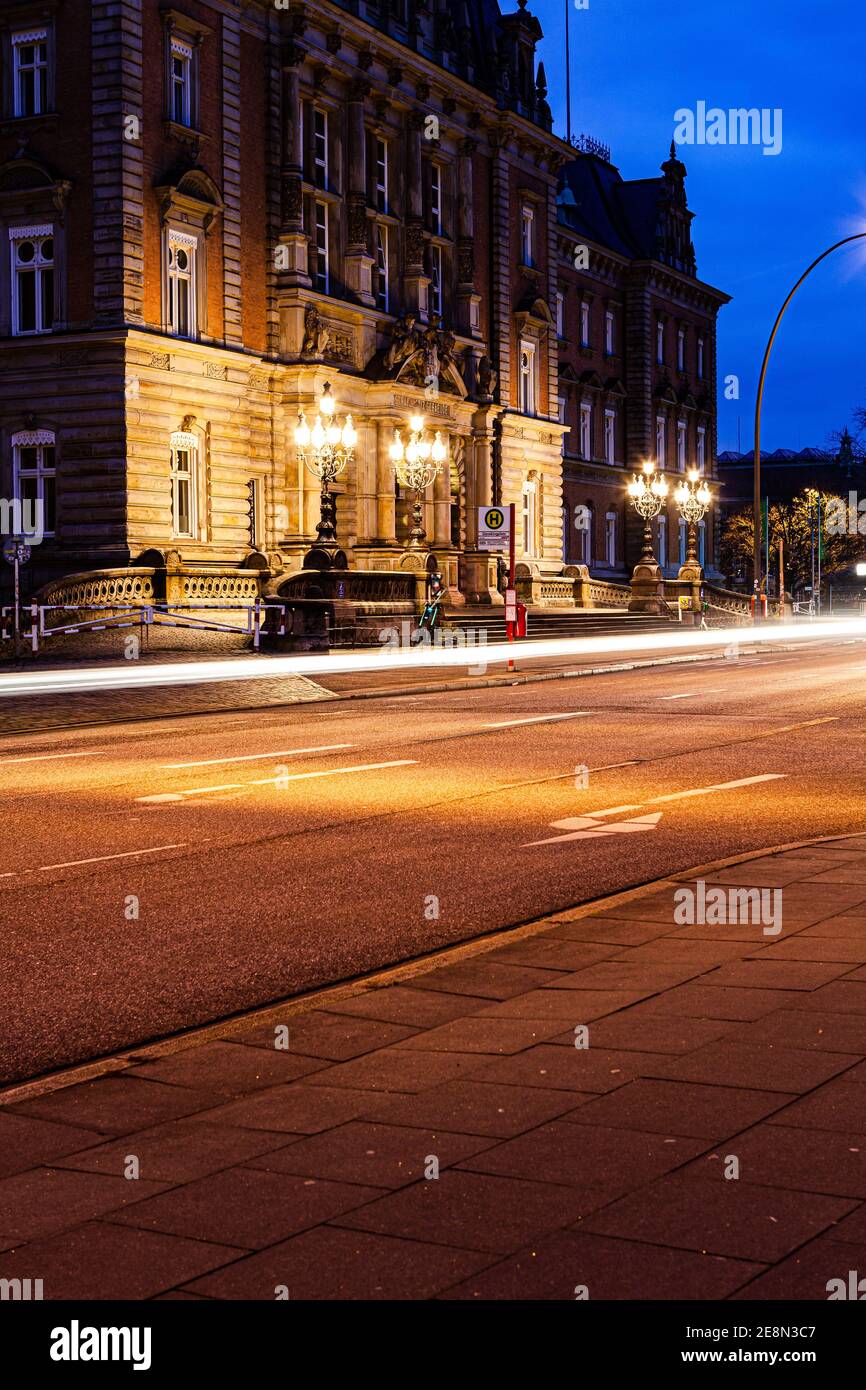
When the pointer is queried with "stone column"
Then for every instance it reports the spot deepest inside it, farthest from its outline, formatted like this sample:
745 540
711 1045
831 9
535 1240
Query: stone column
442 507
359 263
468 302
292 260
416 284
386 524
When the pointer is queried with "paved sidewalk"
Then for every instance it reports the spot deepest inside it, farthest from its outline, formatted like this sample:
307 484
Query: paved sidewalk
708 1143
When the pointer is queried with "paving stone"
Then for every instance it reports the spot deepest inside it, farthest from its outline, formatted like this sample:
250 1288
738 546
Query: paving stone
842 997
678 1107
718 1001
584 1156
624 975
477 1107
579 1007
804 1276
738 1219
758 1065
417 1008
104 1261
651 1033
858 975
808 1028
382 1155
246 1207
295 1109
177 1152
609 930
807 1160
675 950
393 1069
609 1269
778 974
28 1143
333 1263
484 1034
852 1228
839 1105
853 872
482 977
850 951
45 1200
226 1069
554 955
573 1069
336 1037
846 924
116 1104
476 1210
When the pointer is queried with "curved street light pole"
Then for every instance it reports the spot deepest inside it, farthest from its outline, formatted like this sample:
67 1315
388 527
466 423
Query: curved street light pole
857 236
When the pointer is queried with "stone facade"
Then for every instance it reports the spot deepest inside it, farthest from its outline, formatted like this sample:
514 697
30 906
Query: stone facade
233 204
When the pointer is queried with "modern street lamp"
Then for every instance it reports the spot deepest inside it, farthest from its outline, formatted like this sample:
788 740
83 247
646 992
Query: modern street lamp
758 567
325 450
692 499
416 465
648 492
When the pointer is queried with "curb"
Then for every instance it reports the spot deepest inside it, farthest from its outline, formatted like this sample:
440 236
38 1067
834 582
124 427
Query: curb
280 1010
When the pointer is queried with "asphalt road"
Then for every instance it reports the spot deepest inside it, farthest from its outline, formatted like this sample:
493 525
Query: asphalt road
157 876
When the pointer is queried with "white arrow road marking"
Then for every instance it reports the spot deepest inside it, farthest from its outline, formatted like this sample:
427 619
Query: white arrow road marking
588 828
584 826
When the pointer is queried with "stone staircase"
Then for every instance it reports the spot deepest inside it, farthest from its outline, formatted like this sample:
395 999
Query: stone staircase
550 623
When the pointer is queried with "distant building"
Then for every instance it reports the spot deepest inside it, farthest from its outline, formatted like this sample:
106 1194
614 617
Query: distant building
787 472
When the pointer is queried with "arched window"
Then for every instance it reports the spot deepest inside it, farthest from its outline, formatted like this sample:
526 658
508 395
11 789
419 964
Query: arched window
34 481
184 471
584 522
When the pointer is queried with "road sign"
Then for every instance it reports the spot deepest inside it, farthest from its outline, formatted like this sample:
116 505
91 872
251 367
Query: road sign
15 549
494 528
511 605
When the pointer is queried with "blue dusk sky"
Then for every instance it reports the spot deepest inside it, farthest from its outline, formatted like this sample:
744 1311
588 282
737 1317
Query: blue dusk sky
760 219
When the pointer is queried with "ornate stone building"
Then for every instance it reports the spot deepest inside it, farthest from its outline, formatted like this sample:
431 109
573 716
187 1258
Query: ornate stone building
211 210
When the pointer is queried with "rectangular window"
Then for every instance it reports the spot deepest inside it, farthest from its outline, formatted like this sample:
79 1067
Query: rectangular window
436 199
530 517
682 541
660 342
663 540
610 436
681 350
180 85
700 359
585 430
323 276
383 295
381 176
660 441
436 279
681 445
610 539
702 448
608 333
181 300
560 302
528 379
584 324
32 280
320 148
34 480
527 236
30 72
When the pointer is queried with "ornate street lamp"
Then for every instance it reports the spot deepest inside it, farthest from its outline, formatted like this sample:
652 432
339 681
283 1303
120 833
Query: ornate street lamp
647 493
325 450
416 465
692 499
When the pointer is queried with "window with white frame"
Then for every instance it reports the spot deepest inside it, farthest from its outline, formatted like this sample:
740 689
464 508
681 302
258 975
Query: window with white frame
610 436
681 350
181 309
660 441
610 539
322 263
584 535
608 332
528 378
530 517
527 235
560 317
681 445
184 467
383 288
30 72
436 279
381 175
702 447
584 323
702 543
585 430
700 359
320 147
663 540
32 251
682 541
181 55
34 479
436 199
660 342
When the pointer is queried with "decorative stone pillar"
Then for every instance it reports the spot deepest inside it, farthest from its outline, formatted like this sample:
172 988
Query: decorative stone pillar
386 524
479 568
468 302
292 258
416 284
442 507
359 262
